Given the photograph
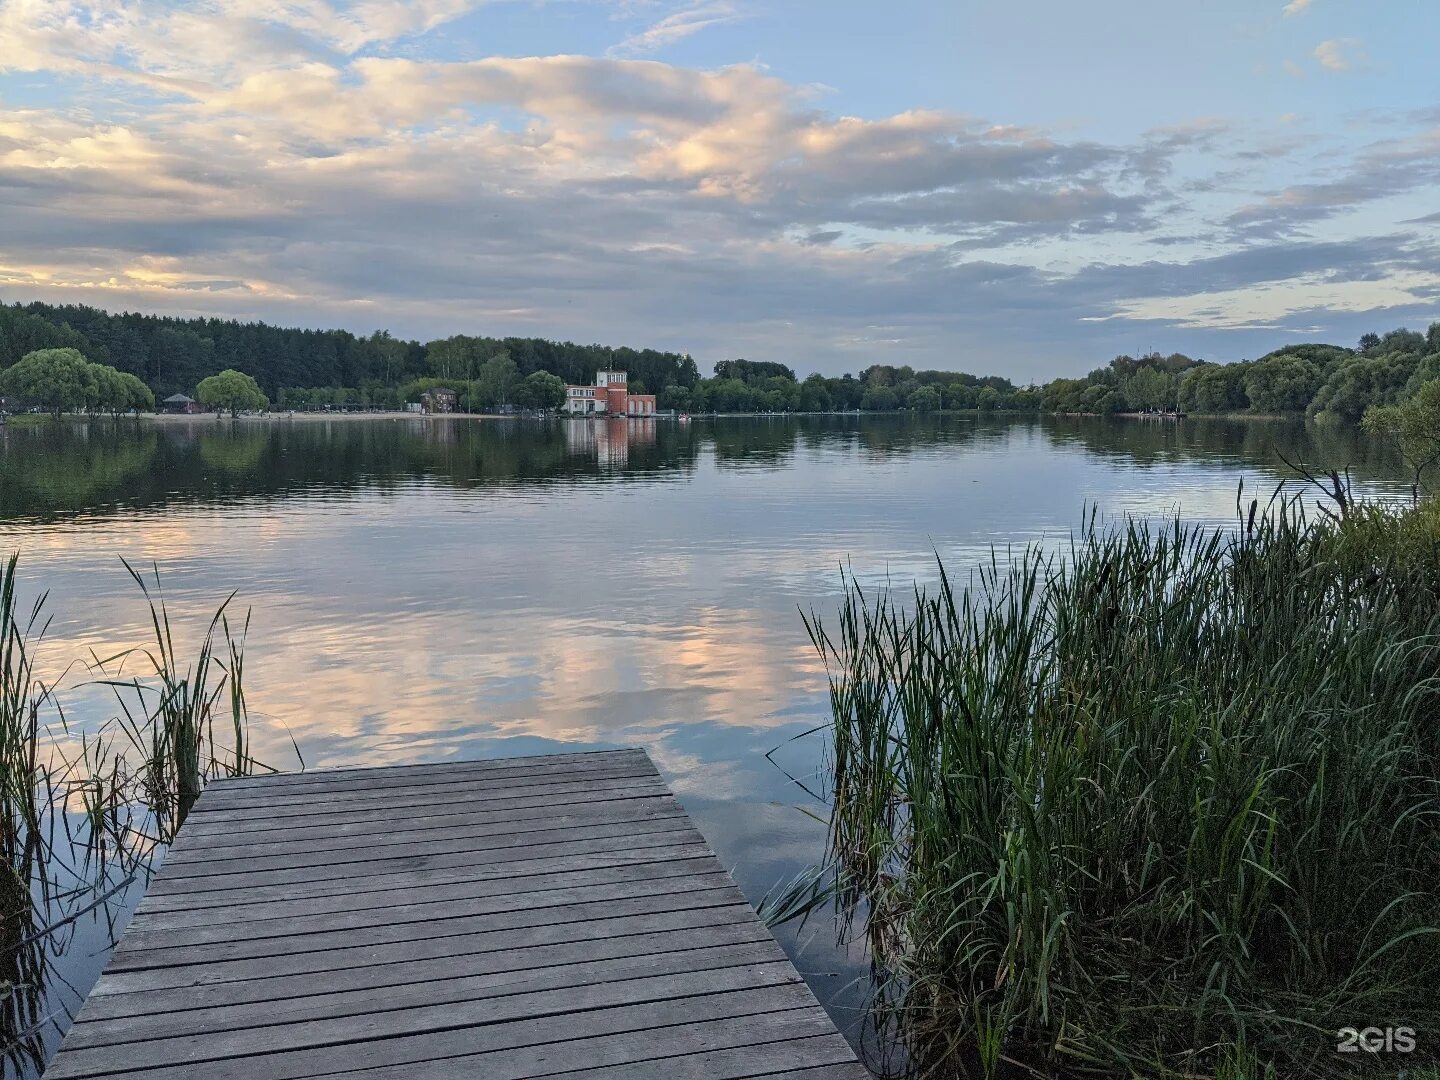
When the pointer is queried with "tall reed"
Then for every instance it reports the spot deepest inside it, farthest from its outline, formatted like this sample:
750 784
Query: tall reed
1162 803
83 811
24 780
186 718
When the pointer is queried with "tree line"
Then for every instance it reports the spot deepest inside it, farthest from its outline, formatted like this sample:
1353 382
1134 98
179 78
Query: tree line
309 369
752 386
1329 382
172 355
1319 381
62 380
498 385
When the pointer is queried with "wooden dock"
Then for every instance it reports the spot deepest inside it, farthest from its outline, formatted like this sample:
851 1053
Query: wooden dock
528 917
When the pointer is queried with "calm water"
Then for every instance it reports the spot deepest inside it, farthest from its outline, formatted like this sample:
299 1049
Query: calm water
424 591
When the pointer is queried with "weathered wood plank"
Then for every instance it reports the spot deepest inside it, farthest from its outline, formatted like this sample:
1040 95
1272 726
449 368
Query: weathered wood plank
416 993
543 917
468 888
385 787
518 869
437 768
478 1016
456 795
418 853
414 791
289 945
559 817
731 1063
620 1023
117 1003
623 1048
283 823
455 790
667 834
425 909
414 949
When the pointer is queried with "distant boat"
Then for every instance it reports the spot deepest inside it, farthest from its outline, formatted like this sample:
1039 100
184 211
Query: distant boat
684 418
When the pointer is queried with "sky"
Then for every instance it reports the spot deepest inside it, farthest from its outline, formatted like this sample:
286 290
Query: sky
1024 188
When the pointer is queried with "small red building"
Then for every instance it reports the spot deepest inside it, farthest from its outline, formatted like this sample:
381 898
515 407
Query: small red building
610 396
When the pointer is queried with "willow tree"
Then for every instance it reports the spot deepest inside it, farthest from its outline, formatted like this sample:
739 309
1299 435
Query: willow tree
118 392
232 390
60 380
1413 428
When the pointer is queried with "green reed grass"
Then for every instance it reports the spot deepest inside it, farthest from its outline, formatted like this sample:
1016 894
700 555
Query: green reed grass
183 721
1162 803
75 804
186 717
24 780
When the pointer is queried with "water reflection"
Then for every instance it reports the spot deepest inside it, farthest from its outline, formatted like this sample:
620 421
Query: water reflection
608 440
69 468
438 589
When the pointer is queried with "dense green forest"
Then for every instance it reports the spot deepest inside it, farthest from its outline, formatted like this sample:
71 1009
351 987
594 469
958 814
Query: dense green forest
328 368
173 355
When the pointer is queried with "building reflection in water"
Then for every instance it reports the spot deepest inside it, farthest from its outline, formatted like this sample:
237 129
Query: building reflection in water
608 439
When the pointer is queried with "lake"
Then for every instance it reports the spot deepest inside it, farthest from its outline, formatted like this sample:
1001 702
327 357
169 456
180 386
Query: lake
425 590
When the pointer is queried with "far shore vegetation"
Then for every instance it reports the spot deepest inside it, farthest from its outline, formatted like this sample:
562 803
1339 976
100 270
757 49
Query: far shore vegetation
295 369
1159 804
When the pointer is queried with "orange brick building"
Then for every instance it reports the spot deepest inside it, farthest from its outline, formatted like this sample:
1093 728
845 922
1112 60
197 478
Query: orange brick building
610 396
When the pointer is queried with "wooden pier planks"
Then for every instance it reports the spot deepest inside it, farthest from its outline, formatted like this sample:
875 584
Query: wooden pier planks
533 917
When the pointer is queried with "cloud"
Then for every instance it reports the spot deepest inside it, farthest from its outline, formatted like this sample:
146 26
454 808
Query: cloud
1272 305
1341 54
304 162
1295 7
677 26
1384 169
183 48
740 140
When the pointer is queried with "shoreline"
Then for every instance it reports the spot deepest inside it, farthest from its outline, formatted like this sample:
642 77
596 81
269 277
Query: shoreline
310 417
193 419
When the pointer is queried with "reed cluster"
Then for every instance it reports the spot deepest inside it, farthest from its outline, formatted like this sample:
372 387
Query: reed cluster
24 778
81 812
184 721
1161 803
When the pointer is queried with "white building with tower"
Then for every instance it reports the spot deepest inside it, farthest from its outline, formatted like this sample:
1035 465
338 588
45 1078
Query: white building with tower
610 396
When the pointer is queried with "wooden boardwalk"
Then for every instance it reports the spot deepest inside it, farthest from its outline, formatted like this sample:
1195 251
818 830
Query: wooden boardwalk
530 917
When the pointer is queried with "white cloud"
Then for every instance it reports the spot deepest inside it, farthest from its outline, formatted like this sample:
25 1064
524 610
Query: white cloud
1295 7
213 42
677 26
1270 304
1341 54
